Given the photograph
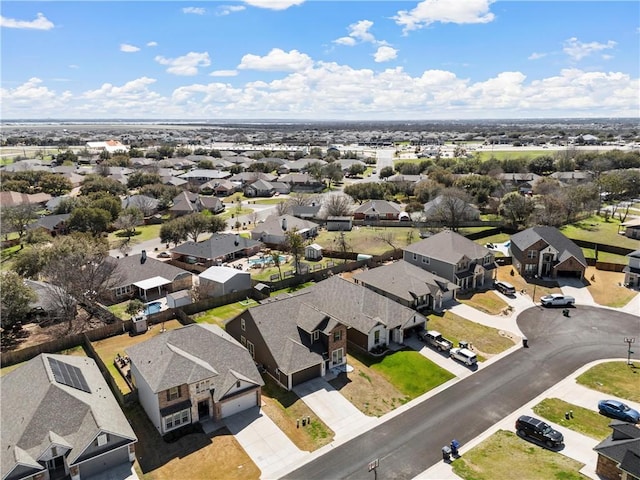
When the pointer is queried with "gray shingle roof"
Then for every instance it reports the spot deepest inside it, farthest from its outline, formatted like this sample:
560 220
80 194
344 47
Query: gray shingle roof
39 412
623 446
218 245
552 236
449 247
49 221
273 225
131 270
193 353
381 207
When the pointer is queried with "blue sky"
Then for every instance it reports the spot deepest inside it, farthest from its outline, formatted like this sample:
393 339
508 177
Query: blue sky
320 60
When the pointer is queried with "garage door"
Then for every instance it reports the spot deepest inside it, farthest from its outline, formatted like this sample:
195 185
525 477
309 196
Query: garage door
104 462
239 403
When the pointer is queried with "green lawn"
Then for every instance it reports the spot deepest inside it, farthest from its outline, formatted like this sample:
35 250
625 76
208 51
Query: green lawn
7 256
143 234
504 456
487 302
371 240
411 373
268 201
504 155
613 378
584 421
220 315
118 309
605 256
595 228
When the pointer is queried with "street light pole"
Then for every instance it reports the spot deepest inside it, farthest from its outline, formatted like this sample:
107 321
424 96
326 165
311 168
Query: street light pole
629 341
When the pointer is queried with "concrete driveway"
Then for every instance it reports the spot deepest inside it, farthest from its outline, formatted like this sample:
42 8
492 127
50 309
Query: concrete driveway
264 442
332 408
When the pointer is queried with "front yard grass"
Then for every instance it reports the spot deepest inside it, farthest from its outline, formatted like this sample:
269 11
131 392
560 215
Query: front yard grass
504 456
613 378
285 408
606 287
107 349
195 456
584 421
487 301
143 233
379 385
486 341
509 274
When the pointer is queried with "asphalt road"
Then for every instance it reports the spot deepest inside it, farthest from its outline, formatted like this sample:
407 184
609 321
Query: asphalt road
410 443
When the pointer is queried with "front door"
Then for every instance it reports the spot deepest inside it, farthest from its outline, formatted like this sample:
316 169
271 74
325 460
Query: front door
203 409
56 468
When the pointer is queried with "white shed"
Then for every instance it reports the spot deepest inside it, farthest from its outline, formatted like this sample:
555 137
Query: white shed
217 281
179 298
313 252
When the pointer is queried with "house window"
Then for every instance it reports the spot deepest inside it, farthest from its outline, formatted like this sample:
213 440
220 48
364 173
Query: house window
251 349
238 384
337 356
530 269
532 254
376 337
315 335
202 386
426 260
487 259
415 256
337 335
173 393
243 340
102 439
243 327
175 420
54 451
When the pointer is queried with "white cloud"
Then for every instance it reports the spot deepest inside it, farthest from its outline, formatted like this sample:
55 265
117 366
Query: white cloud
578 50
384 54
224 73
194 10
40 23
152 44
277 60
274 4
187 65
229 9
125 47
347 41
445 11
536 56
33 97
74 66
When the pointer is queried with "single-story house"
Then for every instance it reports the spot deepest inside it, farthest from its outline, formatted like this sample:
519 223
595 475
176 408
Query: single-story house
191 374
619 453
408 285
52 303
199 176
219 281
546 252
60 420
147 205
377 210
189 202
143 276
216 250
259 188
302 182
52 224
632 270
275 228
307 212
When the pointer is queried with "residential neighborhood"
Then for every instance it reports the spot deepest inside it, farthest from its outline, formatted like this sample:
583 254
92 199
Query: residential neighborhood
261 299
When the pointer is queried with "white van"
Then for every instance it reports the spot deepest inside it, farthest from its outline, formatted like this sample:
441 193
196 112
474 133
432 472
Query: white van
464 355
505 288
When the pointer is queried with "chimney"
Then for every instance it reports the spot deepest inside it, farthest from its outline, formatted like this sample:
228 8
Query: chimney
143 256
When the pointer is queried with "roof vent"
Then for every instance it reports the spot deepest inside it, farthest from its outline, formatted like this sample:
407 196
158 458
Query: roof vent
143 256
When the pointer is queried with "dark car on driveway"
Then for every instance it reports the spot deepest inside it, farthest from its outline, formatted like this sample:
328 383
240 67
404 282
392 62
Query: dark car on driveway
618 410
532 427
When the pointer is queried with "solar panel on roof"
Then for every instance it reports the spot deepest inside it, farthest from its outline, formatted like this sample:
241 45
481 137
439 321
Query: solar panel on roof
68 375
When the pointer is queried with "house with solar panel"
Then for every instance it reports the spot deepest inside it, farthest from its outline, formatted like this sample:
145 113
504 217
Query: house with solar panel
63 422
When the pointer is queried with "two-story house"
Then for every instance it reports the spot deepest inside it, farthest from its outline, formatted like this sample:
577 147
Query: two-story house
545 252
192 374
632 271
455 258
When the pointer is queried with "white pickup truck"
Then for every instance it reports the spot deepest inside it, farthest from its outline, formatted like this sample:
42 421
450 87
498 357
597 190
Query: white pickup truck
557 300
436 339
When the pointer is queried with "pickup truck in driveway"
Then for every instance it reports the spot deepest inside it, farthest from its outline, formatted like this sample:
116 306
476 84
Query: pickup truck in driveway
435 339
557 300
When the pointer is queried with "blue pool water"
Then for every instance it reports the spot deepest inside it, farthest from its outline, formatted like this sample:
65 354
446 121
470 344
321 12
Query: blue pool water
264 260
153 307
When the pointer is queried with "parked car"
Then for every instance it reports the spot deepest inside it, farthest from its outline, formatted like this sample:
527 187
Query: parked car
535 428
464 355
505 288
435 339
164 255
557 300
618 410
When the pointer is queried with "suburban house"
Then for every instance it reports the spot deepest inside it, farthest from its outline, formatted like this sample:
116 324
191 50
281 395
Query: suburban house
521 182
221 188
192 374
435 207
299 337
619 453
632 271
52 224
147 278
111 146
573 178
408 285
247 178
275 228
546 252
60 420
199 176
12 199
216 250
302 182
455 258
259 188
307 212
188 202
377 210
52 303
147 205
218 281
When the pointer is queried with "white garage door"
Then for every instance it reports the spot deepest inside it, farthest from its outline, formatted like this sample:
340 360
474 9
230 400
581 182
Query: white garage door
239 403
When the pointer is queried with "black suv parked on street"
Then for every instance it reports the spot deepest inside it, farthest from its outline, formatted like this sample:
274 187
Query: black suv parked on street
532 427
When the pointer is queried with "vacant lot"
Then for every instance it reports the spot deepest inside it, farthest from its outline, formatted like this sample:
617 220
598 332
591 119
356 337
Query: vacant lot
371 240
504 456
194 456
613 378
378 386
584 421
606 288
597 229
486 341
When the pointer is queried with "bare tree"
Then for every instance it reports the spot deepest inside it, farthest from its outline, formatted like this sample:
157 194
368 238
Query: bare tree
388 238
147 205
283 208
253 217
342 243
452 209
16 219
337 205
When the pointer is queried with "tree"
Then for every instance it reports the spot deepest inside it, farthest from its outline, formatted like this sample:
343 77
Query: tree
426 190
94 220
134 306
337 205
275 258
105 201
332 172
516 209
128 220
16 298
452 209
342 243
315 170
140 179
541 165
172 232
55 185
294 244
283 208
386 172
96 183
356 169
16 219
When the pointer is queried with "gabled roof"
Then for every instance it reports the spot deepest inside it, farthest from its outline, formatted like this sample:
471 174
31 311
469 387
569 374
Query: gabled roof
218 245
623 446
380 207
204 173
191 354
273 225
449 247
404 280
467 209
132 269
49 222
222 274
261 185
44 411
48 296
552 236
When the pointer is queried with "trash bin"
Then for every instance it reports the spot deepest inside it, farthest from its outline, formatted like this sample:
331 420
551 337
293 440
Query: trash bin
463 344
525 342
446 453
565 312
455 445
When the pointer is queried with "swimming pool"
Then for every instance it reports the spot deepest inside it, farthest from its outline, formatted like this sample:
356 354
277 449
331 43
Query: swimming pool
266 260
153 307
